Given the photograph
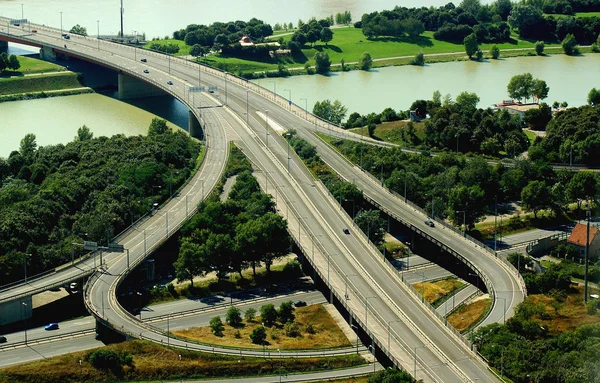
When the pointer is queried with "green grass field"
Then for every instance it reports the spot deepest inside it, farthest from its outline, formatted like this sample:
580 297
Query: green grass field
183 49
349 43
587 14
31 65
29 84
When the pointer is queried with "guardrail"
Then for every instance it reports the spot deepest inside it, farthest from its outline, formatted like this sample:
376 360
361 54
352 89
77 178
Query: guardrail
46 339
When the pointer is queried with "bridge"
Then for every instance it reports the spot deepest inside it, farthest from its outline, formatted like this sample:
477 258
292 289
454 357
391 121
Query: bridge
371 292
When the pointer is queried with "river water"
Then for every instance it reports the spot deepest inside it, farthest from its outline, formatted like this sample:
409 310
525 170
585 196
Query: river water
160 18
569 78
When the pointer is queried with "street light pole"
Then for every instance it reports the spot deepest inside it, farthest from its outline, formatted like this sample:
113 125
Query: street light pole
61 29
290 98
98 38
464 222
504 312
305 107
367 310
274 89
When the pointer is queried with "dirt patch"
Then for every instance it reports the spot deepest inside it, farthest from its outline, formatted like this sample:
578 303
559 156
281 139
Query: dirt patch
466 315
46 297
327 334
434 291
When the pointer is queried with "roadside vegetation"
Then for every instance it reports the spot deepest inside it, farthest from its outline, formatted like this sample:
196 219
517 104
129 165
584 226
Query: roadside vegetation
145 361
47 82
468 315
309 327
434 292
89 189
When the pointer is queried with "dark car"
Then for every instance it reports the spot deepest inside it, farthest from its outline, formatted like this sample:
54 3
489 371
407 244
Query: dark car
430 223
299 303
51 326
3 339
34 30
170 82
346 231
17 24
146 71
143 60
67 37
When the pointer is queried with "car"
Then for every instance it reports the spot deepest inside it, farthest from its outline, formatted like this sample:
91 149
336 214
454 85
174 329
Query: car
34 30
430 223
67 37
146 71
211 91
346 231
17 24
299 304
3 339
51 326
144 60
170 82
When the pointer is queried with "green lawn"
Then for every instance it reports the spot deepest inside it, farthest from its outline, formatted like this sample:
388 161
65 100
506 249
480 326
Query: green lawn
48 82
587 14
30 65
183 49
530 135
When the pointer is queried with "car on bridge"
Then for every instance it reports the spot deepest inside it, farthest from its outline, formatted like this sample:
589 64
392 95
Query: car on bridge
430 223
3 339
51 326
346 231
144 60
146 71
34 30
170 82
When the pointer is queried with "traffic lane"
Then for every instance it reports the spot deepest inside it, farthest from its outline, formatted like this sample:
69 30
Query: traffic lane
311 297
429 273
80 324
432 327
34 352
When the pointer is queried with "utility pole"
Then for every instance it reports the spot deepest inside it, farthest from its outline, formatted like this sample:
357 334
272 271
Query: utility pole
587 257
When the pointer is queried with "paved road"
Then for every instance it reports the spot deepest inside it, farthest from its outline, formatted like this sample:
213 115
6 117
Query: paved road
440 354
428 273
456 300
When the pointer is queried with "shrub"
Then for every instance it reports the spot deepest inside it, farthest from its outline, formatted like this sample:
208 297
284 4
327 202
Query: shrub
286 312
419 59
365 62
479 55
233 316
310 329
292 329
258 335
249 314
106 359
569 45
268 315
293 268
539 48
495 52
216 326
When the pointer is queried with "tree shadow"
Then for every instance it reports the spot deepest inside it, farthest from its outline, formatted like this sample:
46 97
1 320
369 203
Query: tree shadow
422 41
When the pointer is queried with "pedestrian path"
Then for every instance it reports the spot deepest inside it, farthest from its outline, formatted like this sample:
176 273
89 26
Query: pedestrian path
456 300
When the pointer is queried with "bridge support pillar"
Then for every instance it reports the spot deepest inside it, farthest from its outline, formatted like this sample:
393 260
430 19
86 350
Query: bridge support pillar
194 126
15 310
3 45
47 53
130 87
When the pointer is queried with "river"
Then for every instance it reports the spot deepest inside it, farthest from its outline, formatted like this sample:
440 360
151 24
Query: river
160 18
569 78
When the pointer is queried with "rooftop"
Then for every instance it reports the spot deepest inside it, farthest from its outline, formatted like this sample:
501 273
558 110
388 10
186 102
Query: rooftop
579 234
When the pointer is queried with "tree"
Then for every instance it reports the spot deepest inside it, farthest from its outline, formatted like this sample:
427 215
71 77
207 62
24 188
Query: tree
268 314
326 35
286 312
365 62
524 18
539 89
582 187
3 61
467 102
594 97
258 335
216 326
495 52
503 8
13 63
538 118
189 263
569 45
536 196
83 134
419 59
413 27
233 316
28 147
520 86
471 6
198 50
471 200
322 62
157 127
471 45
371 223
249 314
539 48
334 112
79 30
106 359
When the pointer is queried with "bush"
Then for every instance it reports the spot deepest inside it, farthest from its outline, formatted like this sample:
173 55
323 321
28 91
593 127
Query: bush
419 59
106 359
292 329
286 312
233 316
249 314
539 48
268 314
310 329
365 62
322 62
293 268
479 55
216 326
569 45
495 52
258 335
592 307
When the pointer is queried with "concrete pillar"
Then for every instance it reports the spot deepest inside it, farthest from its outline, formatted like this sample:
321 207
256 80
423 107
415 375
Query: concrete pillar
15 311
194 127
130 87
3 45
47 53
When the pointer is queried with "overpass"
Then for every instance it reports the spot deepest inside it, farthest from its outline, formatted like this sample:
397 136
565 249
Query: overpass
440 354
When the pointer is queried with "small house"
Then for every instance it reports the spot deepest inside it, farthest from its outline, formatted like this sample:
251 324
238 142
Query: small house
246 41
578 236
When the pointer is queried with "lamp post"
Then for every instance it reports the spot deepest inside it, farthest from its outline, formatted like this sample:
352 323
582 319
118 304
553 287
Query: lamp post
80 370
98 35
389 332
180 367
247 91
267 128
346 291
367 309
25 321
504 312
464 222
356 330
22 17
290 98
415 362
168 330
305 107
61 29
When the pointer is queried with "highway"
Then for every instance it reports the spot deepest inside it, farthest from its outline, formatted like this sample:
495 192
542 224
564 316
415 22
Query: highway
393 312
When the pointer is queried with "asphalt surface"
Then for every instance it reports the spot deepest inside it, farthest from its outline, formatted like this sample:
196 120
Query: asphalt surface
441 356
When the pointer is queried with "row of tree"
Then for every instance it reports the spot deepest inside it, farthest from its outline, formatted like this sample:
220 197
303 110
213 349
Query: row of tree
223 33
312 32
9 62
231 236
89 189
